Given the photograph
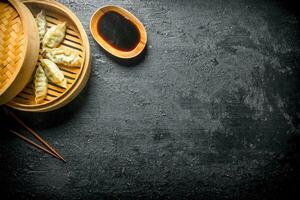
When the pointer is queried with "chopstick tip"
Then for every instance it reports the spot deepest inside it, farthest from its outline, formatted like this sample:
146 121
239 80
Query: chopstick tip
62 159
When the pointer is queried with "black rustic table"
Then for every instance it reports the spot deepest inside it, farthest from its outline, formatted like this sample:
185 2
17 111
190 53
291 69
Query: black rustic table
210 111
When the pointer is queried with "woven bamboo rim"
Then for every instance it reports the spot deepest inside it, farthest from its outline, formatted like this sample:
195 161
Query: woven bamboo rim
19 43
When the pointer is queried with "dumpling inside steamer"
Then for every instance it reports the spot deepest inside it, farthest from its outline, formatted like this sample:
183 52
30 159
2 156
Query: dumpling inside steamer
63 56
40 85
41 24
53 73
55 35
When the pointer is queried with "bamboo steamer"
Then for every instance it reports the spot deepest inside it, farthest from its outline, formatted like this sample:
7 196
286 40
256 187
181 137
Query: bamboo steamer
19 48
76 39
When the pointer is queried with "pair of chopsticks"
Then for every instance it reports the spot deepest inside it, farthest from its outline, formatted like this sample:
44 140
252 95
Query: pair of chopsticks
50 150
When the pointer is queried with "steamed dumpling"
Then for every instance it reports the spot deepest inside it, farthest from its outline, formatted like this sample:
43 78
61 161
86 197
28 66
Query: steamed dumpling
64 56
41 24
55 35
53 73
40 85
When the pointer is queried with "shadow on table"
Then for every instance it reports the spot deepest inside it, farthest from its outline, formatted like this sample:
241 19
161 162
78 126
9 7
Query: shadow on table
56 117
127 62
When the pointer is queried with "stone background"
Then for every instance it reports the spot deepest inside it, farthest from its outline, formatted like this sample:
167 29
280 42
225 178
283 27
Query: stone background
210 111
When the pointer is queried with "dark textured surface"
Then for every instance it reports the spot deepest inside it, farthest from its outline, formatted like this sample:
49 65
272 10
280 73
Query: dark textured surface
210 112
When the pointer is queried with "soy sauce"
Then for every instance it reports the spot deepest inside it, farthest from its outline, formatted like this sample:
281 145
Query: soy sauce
118 31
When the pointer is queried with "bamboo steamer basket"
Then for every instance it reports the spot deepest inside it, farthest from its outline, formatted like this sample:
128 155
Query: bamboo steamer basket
77 40
19 48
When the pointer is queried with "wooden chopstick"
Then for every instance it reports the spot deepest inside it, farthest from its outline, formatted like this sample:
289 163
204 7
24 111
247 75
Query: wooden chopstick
34 144
35 134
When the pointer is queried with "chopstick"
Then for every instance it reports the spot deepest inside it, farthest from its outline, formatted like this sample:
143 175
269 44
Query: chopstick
36 135
32 143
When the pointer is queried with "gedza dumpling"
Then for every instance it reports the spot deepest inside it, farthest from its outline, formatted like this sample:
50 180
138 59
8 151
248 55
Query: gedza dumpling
40 85
64 56
55 35
53 73
41 24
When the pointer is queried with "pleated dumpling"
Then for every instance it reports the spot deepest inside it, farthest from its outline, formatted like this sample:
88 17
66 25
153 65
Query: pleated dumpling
64 56
41 24
55 35
53 73
40 85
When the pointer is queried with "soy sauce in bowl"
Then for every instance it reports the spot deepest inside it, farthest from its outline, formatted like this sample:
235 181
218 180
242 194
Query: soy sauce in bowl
118 31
